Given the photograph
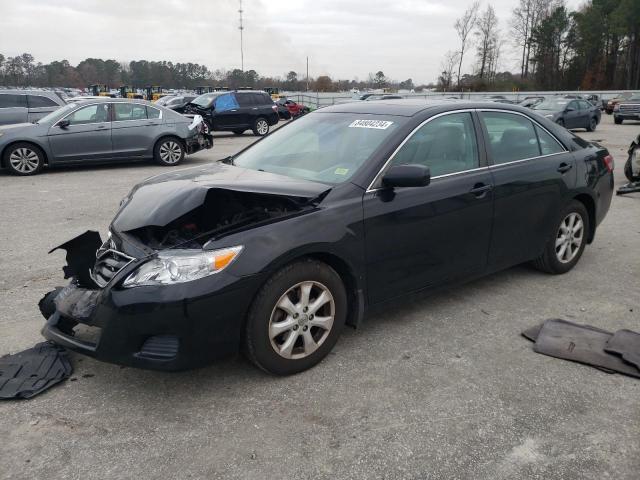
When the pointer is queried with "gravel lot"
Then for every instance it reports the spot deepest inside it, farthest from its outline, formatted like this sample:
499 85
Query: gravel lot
435 387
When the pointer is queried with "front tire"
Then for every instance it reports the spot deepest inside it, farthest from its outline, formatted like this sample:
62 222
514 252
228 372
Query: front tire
565 247
23 159
296 318
168 152
560 122
260 127
618 120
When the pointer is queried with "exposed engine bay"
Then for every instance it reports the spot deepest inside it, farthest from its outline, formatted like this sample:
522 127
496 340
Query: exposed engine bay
223 211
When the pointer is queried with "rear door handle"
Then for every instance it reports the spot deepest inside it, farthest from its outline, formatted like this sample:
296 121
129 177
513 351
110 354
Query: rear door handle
480 189
564 167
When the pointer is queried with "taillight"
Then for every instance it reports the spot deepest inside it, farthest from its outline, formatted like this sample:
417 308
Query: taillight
608 162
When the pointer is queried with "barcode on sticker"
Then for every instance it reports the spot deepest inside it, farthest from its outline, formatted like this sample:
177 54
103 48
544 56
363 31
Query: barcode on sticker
377 124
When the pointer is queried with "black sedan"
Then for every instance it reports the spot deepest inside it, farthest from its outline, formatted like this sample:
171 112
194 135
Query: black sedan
275 249
570 113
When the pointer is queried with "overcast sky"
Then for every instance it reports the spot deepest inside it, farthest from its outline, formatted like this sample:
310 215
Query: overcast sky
343 38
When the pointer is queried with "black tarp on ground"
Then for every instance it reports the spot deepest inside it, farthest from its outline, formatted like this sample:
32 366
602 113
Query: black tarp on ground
28 373
584 344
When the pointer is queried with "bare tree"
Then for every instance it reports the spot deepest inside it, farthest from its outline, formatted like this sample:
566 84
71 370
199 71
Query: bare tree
525 18
448 65
464 26
488 37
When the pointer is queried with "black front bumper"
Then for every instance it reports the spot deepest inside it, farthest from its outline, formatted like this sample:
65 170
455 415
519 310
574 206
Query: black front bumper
174 327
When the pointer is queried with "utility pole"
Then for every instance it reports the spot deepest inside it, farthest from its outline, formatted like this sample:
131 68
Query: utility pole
307 74
241 28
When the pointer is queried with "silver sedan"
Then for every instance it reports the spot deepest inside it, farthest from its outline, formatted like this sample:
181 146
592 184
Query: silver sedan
101 131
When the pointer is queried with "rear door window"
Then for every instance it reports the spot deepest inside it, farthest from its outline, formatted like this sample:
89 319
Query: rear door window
129 111
10 100
245 99
38 101
153 112
226 102
511 137
548 144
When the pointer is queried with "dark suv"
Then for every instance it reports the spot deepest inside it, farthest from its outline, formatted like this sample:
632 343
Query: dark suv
236 111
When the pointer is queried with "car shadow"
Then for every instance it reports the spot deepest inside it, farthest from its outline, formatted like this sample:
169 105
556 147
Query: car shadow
231 376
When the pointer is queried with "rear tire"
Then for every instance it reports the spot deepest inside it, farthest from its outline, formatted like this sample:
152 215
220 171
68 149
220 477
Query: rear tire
287 331
566 244
260 127
593 124
23 159
168 152
618 120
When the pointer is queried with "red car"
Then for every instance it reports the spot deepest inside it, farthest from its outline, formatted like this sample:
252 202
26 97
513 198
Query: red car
294 109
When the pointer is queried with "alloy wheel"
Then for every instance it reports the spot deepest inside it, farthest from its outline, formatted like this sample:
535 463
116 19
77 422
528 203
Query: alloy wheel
262 127
24 160
301 320
170 152
570 237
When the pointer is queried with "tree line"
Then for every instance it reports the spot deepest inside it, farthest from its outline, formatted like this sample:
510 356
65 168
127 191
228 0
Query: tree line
24 71
595 47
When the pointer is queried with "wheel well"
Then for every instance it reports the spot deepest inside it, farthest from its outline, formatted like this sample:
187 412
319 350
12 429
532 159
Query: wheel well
354 301
590 205
44 154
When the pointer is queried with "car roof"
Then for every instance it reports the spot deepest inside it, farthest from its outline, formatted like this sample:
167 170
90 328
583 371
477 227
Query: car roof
80 101
411 107
26 91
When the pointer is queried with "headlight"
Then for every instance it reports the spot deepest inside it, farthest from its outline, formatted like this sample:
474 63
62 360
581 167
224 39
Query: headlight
178 266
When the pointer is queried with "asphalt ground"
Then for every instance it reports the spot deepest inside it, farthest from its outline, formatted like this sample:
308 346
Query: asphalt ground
439 386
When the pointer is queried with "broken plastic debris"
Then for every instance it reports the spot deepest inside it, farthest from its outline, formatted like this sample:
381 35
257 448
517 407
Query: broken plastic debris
32 371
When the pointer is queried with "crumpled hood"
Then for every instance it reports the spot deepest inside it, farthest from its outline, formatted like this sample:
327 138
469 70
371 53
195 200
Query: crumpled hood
159 200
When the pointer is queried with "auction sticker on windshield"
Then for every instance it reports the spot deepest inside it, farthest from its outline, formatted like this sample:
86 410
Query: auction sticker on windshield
377 124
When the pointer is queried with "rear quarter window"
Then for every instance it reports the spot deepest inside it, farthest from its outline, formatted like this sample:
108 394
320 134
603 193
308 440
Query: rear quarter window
38 101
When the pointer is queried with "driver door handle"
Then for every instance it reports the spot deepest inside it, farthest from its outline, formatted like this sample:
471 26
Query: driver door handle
564 167
481 189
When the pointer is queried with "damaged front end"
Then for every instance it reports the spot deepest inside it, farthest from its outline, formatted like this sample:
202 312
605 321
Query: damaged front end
149 293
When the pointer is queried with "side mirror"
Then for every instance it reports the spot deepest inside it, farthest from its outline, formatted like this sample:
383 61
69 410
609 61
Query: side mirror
64 123
407 176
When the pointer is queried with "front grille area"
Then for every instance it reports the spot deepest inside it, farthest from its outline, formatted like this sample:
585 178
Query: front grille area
108 262
630 108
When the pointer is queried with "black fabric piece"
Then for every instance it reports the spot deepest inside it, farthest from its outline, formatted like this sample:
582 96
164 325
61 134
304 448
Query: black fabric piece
582 344
81 255
627 344
30 372
533 332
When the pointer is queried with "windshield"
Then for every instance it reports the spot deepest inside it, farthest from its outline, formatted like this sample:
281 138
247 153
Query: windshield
554 105
57 114
322 147
206 99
